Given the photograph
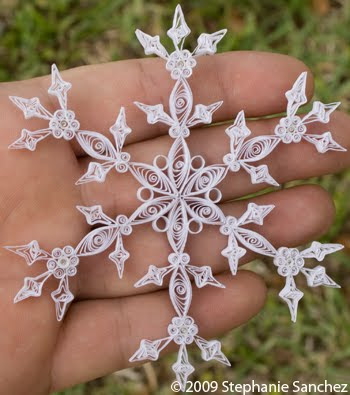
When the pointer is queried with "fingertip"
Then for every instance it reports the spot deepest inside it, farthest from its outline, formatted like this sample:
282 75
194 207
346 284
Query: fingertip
319 209
243 297
255 292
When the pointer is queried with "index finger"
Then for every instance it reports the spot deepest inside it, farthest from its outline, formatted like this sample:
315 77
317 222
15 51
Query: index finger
253 81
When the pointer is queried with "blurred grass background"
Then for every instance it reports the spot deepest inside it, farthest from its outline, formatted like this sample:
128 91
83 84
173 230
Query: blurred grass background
34 34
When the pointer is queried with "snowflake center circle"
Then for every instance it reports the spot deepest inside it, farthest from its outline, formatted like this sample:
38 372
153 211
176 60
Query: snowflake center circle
63 262
183 330
63 124
180 64
289 261
291 130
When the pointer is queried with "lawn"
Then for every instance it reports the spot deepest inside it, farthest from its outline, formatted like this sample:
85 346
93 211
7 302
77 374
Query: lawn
34 34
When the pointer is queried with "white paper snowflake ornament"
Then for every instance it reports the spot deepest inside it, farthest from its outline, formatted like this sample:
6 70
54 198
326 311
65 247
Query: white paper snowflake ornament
179 195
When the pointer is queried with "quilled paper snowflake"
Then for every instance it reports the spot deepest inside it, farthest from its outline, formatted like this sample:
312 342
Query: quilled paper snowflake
179 194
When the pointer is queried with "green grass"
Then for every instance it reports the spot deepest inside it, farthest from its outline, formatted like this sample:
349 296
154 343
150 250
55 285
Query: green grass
34 34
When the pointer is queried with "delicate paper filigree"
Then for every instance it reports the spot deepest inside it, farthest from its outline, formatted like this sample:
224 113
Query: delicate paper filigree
290 262
179 195
60 263
63 263
63 124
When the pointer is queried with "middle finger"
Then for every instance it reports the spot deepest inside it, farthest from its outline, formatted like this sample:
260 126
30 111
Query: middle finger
286 163
97 275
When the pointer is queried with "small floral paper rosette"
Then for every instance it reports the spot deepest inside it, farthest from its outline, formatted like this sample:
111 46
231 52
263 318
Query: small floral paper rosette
179 195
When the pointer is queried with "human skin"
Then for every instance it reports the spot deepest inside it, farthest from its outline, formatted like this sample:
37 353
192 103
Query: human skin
38 195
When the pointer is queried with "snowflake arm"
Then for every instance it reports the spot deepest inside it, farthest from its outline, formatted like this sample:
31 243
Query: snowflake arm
63 124
182 329
293 128
60 263
290 261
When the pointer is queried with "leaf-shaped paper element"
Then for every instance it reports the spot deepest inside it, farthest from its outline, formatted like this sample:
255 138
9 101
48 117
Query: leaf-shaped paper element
152 210
31 107
96 145
323 142
181 102
180 291
182 368
238 132
155 113
207 42
320 112
149 350
318 276
291 295
178 228
98 240
120 129
62 297
155 275
233 253
32 287
257 148
204 180
203 276
152 178
179 163
319 251
255 214
180 30
95 215
203 114
30 252
29 140
296 96
119 256
96 172
254 241
203 210
59 87
151 44
211 350
260 174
